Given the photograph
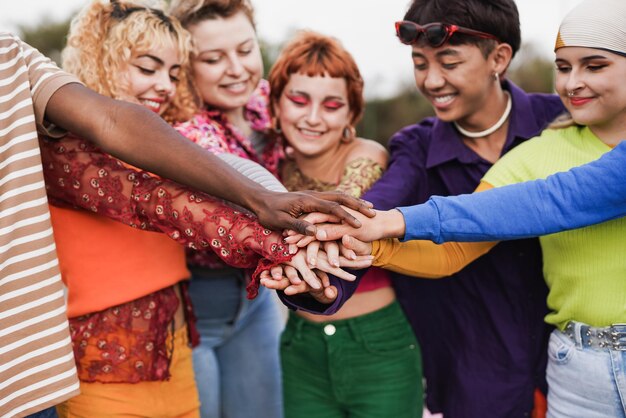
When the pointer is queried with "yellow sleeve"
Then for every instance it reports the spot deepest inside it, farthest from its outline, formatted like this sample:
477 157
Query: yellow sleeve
427 259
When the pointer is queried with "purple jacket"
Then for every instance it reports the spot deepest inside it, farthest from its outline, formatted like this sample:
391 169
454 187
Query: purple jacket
481 330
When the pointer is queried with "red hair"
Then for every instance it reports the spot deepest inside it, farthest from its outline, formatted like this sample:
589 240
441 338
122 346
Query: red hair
314 54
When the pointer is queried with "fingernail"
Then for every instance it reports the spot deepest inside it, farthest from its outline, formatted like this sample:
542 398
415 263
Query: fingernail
321 234
312 261
293 249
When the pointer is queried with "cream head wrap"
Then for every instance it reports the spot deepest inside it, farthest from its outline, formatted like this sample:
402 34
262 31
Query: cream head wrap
599 24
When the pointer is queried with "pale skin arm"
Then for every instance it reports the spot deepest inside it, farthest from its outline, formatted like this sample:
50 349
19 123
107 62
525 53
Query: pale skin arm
141 138
386 224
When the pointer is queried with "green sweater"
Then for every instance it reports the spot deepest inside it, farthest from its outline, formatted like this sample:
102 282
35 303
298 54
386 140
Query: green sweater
585 269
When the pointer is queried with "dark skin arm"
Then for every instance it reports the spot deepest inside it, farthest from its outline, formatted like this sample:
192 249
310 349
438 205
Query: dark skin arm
141 138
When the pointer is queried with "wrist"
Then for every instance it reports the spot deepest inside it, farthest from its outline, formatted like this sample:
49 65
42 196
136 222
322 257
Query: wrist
256 198
393 224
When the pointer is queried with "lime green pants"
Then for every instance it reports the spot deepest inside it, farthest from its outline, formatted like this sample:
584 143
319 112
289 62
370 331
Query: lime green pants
363 367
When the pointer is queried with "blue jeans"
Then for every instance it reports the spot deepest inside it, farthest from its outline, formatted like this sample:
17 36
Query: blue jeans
584 382
46 413
237 365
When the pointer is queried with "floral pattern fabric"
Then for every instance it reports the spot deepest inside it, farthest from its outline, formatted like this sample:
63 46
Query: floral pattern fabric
127 343
358 176
79 175
211 130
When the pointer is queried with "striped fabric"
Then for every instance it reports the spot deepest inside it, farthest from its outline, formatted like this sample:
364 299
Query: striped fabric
36 362
254 171
597 24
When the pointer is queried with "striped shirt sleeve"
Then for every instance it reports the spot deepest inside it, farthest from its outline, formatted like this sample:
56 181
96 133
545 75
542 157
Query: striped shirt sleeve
36 360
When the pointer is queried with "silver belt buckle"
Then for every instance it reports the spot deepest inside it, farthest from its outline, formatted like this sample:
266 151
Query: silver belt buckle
617 336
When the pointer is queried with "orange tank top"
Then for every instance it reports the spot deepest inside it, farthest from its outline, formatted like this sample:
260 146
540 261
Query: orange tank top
105 263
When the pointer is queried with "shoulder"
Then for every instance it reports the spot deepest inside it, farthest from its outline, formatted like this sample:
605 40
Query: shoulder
529 160
368 149
549 105
412 138
8 40
417 132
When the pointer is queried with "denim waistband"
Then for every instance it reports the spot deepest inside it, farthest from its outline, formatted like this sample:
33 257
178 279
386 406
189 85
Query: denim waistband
612 337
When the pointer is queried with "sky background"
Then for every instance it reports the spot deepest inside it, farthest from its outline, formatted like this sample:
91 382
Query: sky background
365 27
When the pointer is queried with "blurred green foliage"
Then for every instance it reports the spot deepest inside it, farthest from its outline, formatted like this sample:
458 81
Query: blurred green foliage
383 116
47 36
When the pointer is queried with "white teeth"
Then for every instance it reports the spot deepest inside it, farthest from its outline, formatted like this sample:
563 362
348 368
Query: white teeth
151 103
236 86
310 133
444 99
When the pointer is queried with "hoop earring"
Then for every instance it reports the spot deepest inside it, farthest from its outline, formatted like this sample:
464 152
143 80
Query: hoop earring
349 133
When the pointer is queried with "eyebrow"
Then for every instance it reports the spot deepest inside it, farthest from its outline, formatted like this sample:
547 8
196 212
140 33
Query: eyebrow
445 52
593 57
153 58
302 93
584 59
219 49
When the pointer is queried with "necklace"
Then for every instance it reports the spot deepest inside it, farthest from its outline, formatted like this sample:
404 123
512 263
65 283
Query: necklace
492 129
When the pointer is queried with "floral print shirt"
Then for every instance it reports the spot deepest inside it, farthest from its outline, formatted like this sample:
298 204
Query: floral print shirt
79 175
210 129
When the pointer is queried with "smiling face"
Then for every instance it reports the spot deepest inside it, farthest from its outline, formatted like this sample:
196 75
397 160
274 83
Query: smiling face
456 79
228 65
313 113
153 77
595 80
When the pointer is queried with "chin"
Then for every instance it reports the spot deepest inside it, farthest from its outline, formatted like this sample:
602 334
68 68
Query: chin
447 116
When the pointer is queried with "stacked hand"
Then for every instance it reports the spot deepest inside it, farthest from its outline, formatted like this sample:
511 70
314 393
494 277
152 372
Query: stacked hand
308 270
336 244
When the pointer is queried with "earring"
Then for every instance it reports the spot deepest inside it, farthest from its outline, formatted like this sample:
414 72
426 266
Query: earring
349 133
496 77
276 126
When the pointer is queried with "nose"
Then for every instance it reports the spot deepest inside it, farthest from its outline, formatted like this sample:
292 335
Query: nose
313 115
164 85
434 79
235 67
574 81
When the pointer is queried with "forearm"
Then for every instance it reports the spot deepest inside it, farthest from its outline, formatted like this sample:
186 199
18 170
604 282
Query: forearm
426 259
79 175
583 196
141 138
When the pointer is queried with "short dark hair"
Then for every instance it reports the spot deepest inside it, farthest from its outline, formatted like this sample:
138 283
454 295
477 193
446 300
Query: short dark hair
496 17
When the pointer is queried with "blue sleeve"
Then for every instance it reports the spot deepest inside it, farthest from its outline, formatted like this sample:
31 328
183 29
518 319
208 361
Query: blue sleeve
583 196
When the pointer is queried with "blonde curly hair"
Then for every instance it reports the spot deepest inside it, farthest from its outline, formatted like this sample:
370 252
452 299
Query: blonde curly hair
105 36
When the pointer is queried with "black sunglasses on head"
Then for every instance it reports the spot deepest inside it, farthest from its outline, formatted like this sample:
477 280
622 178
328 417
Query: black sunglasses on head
435 34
